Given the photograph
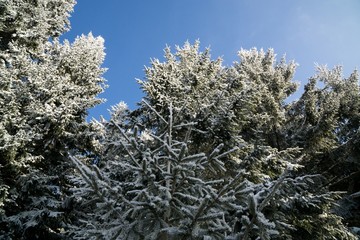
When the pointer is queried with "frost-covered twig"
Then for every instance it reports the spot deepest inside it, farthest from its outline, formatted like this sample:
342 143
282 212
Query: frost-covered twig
156 112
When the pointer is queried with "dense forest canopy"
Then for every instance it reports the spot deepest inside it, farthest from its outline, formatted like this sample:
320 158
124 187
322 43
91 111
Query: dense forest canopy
211 152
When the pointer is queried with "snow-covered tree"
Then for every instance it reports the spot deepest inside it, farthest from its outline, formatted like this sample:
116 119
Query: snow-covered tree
207 155
325 122
46 89
212 152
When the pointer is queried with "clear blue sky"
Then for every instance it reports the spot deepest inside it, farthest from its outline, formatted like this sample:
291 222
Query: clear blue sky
307 31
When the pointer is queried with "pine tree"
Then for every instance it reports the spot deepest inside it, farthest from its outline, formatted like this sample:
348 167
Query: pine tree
207 155
212 152
46 89
325 123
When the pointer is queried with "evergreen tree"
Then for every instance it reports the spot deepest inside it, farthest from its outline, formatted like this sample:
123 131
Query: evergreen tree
207 155
325 123
212 152
46 89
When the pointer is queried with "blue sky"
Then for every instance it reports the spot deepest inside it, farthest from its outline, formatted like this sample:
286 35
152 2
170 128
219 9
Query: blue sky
307 31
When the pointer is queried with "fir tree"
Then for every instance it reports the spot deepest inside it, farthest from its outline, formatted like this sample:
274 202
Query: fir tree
46 89
325 123
211 152
207 155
